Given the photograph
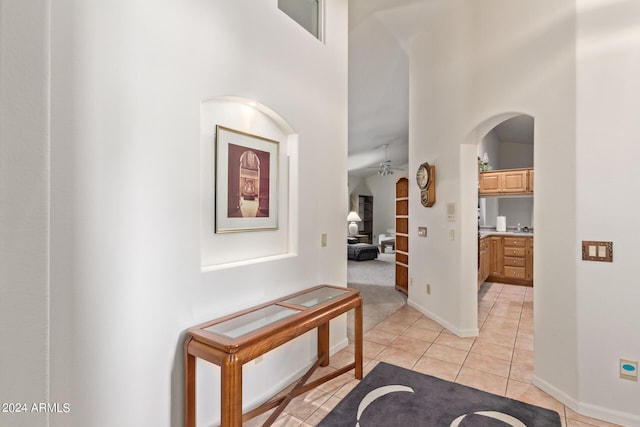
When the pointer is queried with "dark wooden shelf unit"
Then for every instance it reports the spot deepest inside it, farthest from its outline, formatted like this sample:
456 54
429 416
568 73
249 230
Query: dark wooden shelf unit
365 210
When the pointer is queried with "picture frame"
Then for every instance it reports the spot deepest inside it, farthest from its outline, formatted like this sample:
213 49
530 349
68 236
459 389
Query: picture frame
246 182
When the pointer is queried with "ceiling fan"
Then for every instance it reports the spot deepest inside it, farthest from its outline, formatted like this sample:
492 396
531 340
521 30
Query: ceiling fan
385 168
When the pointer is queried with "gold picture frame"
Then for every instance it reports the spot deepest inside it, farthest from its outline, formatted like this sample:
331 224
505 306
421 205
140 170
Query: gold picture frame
246 182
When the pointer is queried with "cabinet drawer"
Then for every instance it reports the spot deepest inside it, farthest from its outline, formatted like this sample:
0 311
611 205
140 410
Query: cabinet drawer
517 242
514 272
513 262
514 252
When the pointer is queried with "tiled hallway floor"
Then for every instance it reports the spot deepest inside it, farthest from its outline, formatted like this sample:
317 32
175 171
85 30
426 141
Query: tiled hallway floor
499 360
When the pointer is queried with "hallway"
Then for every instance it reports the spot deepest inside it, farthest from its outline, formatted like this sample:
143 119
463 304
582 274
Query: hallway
499 360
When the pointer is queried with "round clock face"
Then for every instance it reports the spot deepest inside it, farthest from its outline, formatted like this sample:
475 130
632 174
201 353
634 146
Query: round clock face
422 176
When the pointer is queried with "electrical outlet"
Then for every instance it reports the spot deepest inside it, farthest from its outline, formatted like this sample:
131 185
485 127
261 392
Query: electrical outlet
324 240
410 281
428 289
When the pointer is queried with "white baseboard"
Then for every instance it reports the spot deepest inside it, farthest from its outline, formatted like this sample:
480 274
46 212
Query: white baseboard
587 409
472 332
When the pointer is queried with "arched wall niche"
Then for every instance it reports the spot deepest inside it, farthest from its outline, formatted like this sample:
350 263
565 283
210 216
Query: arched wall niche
224 250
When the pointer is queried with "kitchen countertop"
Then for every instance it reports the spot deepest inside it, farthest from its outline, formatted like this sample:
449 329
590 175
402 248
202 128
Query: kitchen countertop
492 232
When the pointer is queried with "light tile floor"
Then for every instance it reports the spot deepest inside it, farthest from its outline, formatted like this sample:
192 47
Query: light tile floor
499 360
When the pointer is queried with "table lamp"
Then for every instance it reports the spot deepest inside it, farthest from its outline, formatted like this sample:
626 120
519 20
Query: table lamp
353 218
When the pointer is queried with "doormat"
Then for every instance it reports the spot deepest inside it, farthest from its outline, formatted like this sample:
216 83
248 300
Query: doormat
394 396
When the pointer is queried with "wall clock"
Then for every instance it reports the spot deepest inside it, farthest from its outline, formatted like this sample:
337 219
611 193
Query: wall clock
426 180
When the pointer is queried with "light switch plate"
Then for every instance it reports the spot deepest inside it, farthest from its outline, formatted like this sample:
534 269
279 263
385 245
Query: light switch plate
422 231
451 211
597 251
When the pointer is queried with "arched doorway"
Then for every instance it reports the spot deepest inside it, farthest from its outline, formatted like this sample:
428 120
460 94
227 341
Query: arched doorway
502 142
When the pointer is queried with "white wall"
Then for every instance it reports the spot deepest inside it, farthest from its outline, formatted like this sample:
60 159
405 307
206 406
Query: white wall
608 132
490 144
515 155
437 95
383 189
128 79
521 58
24 211
517 210
514 58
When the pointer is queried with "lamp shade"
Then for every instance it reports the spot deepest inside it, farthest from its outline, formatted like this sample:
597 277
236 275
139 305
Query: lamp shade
353 216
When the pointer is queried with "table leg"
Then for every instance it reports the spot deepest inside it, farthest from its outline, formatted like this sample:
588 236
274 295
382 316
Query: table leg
231 385
189 387
323 343
358 340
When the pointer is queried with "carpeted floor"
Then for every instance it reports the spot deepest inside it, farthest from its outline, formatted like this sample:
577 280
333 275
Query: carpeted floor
380 271
376 281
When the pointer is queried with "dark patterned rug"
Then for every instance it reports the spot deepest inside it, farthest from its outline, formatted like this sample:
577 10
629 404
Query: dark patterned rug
394 396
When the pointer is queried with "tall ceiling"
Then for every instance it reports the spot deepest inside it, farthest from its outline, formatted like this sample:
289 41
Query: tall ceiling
379 33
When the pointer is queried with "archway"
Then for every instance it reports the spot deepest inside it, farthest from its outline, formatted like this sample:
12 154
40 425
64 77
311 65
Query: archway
520 208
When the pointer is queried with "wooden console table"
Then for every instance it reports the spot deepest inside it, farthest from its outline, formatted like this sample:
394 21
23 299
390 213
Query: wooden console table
236 339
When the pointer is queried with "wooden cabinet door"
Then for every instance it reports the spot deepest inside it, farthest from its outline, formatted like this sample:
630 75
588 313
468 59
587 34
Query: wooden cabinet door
515 181
484 261
511 260
490 182
508 181
529 261
497 257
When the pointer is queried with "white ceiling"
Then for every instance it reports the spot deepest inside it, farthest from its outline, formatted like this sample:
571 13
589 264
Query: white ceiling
379 31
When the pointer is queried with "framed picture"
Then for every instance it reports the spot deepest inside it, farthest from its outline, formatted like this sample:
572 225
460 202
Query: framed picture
246 187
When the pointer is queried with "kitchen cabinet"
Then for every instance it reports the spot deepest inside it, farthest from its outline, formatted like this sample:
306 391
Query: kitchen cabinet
507 181
496 257
528 266
514 257
484 260
511 260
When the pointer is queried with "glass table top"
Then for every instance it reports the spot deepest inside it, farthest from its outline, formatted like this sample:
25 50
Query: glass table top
249 322
316 297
